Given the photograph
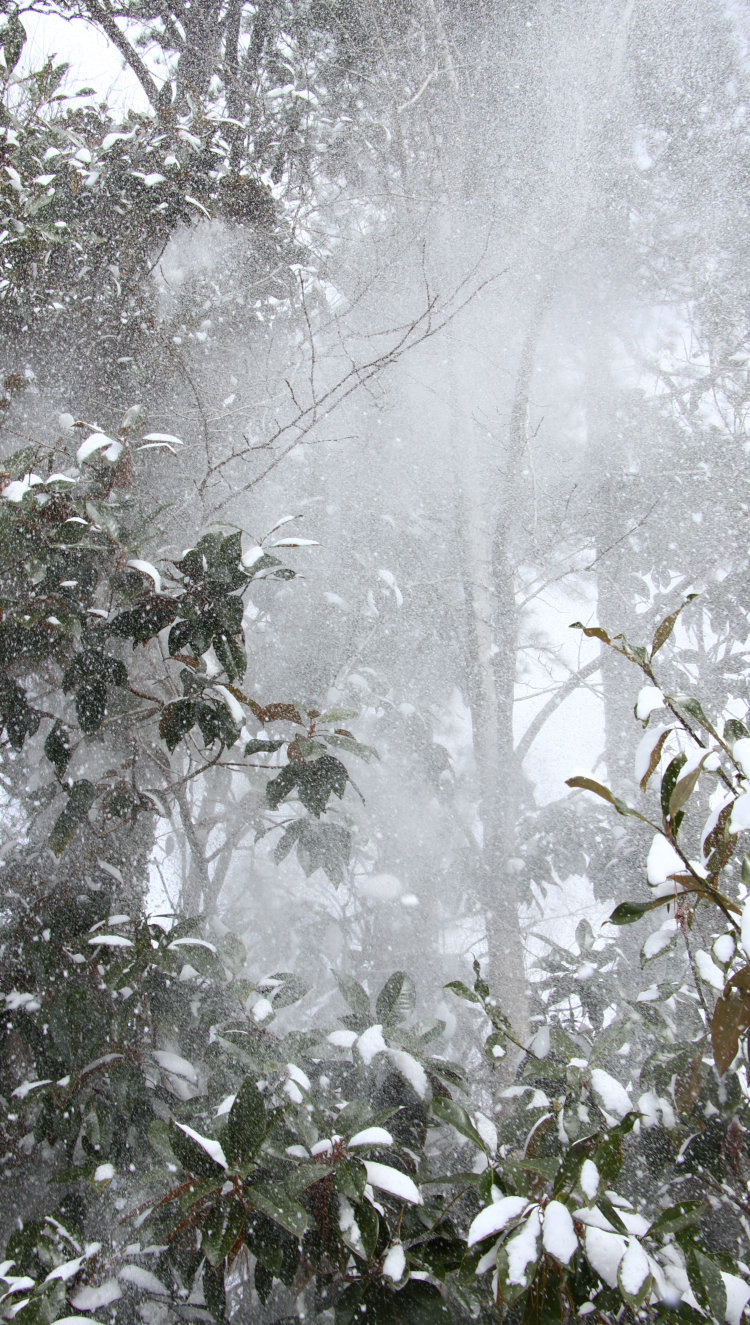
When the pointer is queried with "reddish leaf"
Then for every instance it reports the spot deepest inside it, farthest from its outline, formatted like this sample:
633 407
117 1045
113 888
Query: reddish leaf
731 1018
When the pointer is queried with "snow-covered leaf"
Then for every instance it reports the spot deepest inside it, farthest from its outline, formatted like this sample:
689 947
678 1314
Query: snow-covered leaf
393 1181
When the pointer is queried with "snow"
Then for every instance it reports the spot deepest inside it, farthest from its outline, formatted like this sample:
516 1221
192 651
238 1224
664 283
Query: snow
342 1039
738 1295
146 568
394 1263
111 941
487 1130
262 1010
73 1320
523 1248
371 1136
634 1269
296 1074
494 1218
661 939
296 542
539 1044
381 887
741 754
225 1105
16 491
26 1087
234 706
192 943
708 970
163 437
740 818
594 1218
90 1297
389 579
649 699
558 1234
411 1070
324 1147
104 1173
723 948
604 1252
370 1043
207 1143
589 1179
15 1000
611 1095
66 1271
252 555
96 442
173 1063
663 861
392 1181
745 927
135 1274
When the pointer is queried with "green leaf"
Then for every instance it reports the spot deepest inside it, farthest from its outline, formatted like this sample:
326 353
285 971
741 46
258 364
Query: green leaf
214 1291
317 781
262 747
452 1114
706 1283
57 748
282 1209
280 787
734 730
352 747
685 1214
354 995
350 1178
458 987
291 989
337 715
396 1000
246 1125
684 788
628 912
176 721
670 780
91 705
81 797
193 1157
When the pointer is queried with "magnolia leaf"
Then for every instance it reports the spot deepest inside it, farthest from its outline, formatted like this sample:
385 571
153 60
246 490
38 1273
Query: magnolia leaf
593 632
279 1207
397 998
655 757
454 1115
246 1125
663 631
628 912
684 788
731 1018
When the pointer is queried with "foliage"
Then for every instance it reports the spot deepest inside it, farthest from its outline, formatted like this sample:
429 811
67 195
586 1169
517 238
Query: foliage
355 1167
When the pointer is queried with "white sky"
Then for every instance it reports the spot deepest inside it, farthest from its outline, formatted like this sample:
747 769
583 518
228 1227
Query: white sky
93 59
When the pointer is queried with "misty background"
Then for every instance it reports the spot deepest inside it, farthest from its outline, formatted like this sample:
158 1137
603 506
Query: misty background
480 325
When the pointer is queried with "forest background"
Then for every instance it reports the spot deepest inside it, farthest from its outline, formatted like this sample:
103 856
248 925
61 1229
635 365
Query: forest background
426 325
